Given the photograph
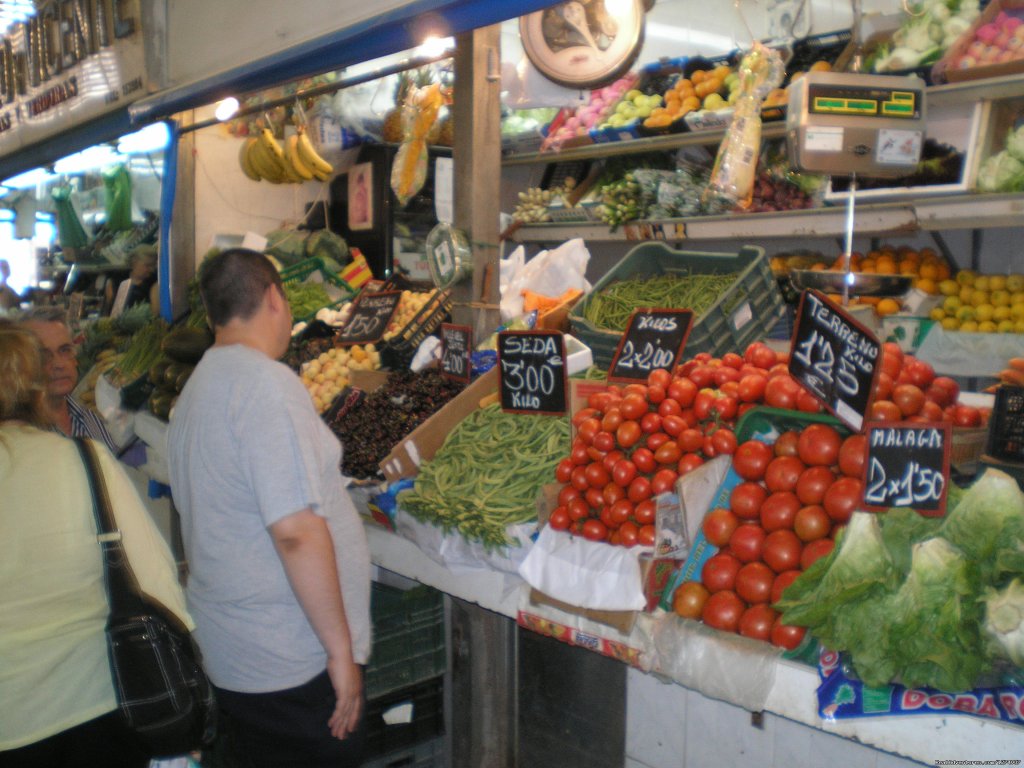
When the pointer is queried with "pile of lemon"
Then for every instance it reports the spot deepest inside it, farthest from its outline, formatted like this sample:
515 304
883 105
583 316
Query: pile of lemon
981 303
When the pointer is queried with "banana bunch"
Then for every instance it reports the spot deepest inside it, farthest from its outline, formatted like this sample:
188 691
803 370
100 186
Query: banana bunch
264 158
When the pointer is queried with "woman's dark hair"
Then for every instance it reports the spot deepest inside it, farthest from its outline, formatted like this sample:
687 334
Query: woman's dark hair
232 284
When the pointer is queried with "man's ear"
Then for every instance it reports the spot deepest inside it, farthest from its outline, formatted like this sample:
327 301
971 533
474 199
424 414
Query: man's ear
276 298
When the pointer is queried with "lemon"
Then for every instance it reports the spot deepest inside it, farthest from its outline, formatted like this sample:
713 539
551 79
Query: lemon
1015 283
1006 326
965 277
979 297
1017 310
969 326
950 323
952 303
981 282
965 294
988 327
949 287
984 313
997 282
1018 326
938 314
965 314
1000 298
1001 313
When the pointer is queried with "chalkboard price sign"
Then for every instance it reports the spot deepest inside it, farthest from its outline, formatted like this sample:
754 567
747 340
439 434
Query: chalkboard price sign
654 338
371 314
834 357
532 371
456 348
907 466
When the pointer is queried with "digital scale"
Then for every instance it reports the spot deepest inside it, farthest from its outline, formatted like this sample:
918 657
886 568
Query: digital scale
845 123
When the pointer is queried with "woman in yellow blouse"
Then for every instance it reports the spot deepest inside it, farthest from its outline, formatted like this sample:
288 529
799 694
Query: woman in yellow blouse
57 702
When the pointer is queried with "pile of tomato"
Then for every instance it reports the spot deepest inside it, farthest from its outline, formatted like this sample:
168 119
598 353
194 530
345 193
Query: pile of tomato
792 499
907 389
633 442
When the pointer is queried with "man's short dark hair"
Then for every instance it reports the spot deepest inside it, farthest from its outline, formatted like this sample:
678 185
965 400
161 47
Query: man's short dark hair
232 284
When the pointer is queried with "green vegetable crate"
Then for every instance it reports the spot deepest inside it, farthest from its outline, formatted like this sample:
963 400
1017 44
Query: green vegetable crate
408 638
745 312
315 271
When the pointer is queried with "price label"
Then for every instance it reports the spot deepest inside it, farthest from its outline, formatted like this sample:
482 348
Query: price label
456 348
371 313
834 357
654 338
907 466
532 372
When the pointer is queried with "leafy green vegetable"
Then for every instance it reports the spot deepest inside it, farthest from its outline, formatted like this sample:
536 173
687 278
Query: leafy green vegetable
902 527
1001 173
1015 143
1004 621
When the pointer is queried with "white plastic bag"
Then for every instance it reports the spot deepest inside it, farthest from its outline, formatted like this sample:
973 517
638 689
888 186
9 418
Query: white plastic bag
550 273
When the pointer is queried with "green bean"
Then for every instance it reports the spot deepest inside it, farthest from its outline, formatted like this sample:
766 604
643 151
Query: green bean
611 307
488 473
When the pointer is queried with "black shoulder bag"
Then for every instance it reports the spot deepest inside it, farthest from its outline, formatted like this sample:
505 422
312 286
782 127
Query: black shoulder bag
162 692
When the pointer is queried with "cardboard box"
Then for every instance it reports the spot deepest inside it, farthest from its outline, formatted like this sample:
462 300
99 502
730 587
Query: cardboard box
945 69
574 636
423 442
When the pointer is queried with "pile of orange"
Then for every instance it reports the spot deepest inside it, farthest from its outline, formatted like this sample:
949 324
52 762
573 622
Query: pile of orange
687 95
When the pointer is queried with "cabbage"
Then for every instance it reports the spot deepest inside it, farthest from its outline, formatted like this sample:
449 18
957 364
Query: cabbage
1015 143
1001 173
1004 621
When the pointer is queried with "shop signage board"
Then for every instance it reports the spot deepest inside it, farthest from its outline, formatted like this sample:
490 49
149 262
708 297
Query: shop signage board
834 357
74 61
654 338
456 349
532 370
907 466
371 314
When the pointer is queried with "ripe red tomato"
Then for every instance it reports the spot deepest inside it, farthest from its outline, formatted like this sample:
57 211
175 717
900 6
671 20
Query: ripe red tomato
814 550
757 622
882 389
702 404
782 551
786 444
621 511
627 435
663 480
668 453
604 441
782 581
645 536
807 402
892 365
639 489
612 458
578 478
754 582
559 519
843 497
567 494
732 360
702 376
813 483
659 377
946 388
588 428
633 406
931 411
781 392
597 476
724 441
644 459
722 611
752 388
787 636
628 533
594 530
718 525
760 355
673 425
908 398
656 439
645 512
751 459
578 509
690 440
724 375
724 406
894 350
919 372
688 463
966 416
650 423
669 407
782 473
852 455
884 410
655 394
779 511
689 598
819 445
746 500
612 492
564 470
683 390
594 497
582 415
611 419
811 523
624 472
747 542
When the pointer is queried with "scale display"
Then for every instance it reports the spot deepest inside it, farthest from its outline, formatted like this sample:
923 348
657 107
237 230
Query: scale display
827 99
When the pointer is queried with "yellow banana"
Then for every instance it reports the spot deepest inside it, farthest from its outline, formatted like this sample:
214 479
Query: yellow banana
264 163
274 153
320 167
245 162
291 151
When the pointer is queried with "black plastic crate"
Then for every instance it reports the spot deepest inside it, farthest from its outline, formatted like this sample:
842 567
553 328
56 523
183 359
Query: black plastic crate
408 639
1006 430
428 754
426 721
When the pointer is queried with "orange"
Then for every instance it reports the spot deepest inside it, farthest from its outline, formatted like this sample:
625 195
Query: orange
722 72
927 285
929 270
943 271
887 307
908 267
886 266
698 76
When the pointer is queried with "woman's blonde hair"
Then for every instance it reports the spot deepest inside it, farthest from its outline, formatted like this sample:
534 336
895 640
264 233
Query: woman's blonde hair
23 394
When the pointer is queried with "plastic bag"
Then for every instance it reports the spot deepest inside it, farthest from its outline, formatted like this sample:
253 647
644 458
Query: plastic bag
117 186
70 232
419 114
551 273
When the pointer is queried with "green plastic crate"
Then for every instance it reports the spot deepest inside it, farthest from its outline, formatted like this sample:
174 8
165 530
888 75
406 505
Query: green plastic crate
744 313
314 270
408 638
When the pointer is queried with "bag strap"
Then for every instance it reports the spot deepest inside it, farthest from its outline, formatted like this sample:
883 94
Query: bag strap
122 589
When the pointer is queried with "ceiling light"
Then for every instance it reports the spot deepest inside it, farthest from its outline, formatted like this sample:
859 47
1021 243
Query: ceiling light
152 138
226 108
93 158
433 46
28 179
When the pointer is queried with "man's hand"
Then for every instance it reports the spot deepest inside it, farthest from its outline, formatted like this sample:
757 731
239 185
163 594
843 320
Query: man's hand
347 678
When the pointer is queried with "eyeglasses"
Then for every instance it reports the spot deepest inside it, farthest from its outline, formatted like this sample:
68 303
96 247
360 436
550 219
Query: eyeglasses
64 352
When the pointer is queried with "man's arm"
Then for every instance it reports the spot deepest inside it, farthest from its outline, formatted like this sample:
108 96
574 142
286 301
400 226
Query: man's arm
306 549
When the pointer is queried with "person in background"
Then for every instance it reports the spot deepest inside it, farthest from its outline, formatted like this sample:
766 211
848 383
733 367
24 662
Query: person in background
60 365
141 283
58 708
279 568
9 298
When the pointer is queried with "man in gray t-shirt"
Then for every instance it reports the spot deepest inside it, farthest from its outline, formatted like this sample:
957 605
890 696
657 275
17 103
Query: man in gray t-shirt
279 570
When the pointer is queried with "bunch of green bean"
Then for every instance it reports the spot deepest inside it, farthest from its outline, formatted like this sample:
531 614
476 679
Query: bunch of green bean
611 307
488 473
143 350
